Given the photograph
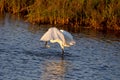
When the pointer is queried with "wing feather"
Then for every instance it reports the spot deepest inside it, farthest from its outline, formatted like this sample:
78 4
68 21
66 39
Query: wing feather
53 34
68 38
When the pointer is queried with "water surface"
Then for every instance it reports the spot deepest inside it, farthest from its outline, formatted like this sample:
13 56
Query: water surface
96 56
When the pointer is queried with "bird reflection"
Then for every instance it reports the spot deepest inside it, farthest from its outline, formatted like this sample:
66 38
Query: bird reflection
54 70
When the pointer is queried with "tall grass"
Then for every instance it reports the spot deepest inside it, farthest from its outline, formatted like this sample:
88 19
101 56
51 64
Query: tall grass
98 14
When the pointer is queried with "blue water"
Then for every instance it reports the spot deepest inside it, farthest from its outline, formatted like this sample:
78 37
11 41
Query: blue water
23 56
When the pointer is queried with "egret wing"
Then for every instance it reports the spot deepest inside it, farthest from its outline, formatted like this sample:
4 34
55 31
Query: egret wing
46 37
68 37
53 34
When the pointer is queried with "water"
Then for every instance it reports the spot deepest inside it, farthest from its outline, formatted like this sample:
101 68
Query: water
23 57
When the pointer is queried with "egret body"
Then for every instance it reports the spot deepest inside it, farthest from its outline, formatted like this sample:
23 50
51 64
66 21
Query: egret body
64 38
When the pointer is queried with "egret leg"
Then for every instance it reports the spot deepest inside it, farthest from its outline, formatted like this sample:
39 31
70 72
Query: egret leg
62 57
46 44
62 52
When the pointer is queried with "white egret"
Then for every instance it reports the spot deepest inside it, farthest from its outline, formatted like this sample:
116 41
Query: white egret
64 38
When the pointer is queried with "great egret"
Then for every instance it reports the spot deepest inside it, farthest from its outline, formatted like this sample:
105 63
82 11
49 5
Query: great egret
64 38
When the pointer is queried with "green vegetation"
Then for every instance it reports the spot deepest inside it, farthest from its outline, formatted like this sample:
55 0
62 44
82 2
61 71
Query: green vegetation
98 14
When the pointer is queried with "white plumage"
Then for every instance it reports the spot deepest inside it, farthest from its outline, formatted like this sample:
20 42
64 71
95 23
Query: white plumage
64 38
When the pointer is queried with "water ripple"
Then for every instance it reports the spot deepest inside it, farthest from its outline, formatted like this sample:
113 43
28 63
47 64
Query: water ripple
23 57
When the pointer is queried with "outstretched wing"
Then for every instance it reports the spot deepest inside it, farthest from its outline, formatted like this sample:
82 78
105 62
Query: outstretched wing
53 34
68 37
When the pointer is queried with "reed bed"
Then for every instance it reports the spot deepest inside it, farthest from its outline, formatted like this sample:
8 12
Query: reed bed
98 14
